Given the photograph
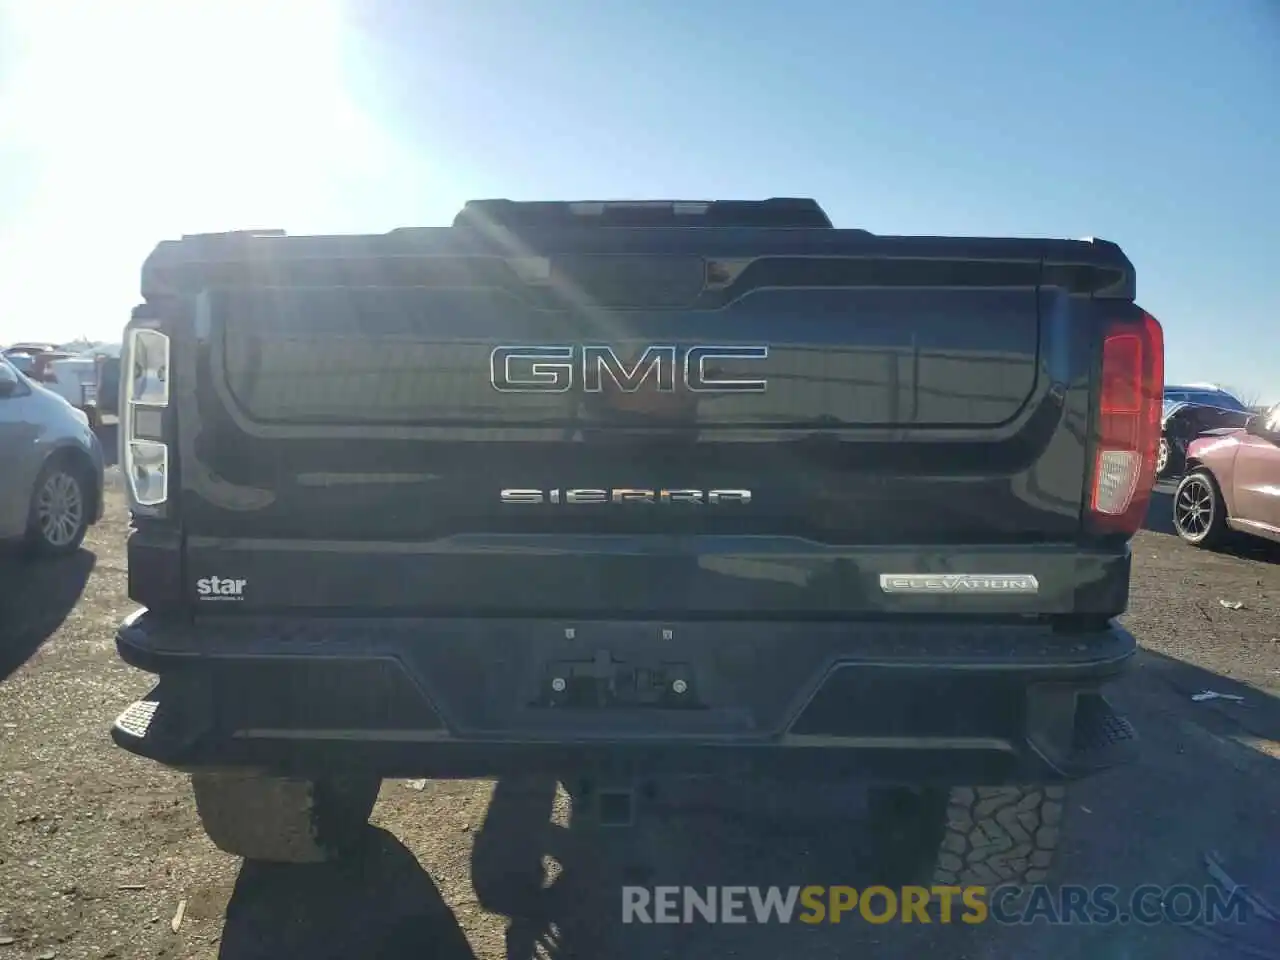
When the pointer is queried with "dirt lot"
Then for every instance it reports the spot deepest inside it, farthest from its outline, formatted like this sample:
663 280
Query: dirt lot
98 849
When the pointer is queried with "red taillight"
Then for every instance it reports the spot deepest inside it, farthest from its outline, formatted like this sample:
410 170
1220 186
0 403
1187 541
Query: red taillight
1124 469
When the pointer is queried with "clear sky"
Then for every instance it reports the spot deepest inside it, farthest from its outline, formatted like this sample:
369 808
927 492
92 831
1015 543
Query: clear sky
1155 123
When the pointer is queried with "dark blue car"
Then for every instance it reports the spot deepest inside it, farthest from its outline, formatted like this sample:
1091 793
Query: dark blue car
1189 411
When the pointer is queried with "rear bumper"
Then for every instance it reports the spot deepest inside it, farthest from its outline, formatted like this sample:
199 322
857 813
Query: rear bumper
891 701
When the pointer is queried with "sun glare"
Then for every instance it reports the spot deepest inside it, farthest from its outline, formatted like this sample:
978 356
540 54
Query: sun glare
124 123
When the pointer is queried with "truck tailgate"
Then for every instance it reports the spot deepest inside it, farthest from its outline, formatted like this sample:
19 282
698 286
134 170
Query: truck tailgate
648 393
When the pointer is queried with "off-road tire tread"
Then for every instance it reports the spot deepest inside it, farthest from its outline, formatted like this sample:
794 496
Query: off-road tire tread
281 820
1000 835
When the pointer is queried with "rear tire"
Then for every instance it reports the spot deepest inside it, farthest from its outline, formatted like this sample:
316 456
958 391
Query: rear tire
1171 459
967 836
61 505
1199 512
283 820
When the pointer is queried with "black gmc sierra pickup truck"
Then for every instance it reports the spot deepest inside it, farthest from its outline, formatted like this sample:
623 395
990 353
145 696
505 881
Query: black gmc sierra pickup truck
613 492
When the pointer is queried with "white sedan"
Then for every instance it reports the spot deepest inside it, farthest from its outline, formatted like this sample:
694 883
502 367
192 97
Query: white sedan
76 378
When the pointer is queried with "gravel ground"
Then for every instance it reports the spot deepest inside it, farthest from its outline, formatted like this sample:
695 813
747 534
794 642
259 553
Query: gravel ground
99 849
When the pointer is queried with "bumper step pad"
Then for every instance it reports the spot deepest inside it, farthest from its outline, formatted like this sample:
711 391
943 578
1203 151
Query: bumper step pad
1102 737
136 719
158 728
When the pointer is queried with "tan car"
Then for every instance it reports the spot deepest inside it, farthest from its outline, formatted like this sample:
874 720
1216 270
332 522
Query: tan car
1232 483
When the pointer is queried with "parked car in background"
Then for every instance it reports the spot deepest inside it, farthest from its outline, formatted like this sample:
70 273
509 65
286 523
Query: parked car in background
107 375
43 370
75 378
35 360
24 363
51 484
1188 412
1232 483
31 348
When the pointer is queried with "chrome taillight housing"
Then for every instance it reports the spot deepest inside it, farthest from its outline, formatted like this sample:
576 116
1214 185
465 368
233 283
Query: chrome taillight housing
148 367
144 400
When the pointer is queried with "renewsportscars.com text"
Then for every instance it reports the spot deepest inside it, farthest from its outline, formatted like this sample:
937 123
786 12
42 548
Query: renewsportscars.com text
1100 905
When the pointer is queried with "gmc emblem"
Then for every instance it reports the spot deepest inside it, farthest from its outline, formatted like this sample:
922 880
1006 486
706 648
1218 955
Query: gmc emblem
558 369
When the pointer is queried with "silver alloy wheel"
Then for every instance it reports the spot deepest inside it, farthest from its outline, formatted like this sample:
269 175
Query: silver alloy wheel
60 509
1162 456
1193 509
